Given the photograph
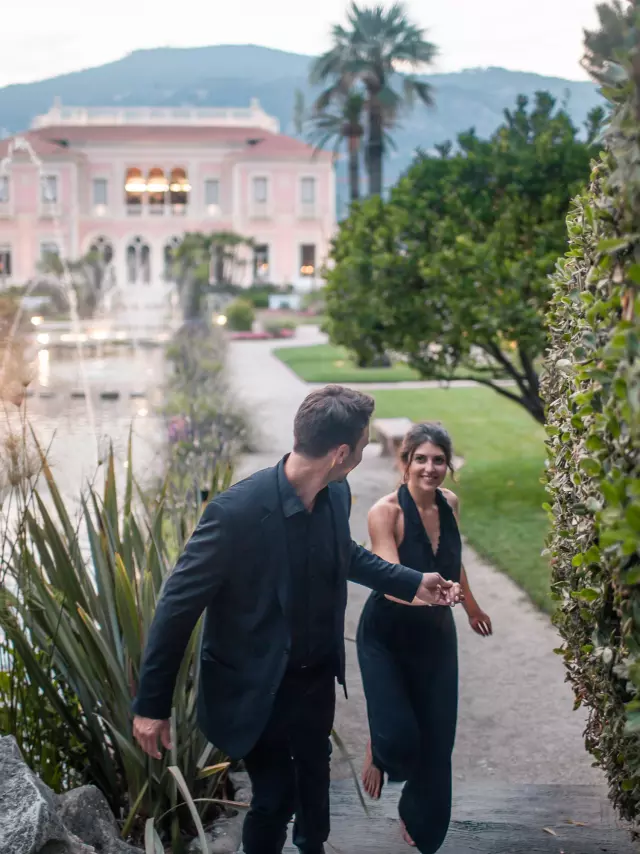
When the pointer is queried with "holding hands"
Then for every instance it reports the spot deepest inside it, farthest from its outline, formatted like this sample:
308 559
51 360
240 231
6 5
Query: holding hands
435 590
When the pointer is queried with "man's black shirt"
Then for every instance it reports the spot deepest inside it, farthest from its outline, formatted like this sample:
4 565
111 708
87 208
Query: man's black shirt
312 557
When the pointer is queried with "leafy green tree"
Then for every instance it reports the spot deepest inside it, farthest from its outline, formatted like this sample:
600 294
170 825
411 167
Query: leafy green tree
206 262
453 271
374 51
87 276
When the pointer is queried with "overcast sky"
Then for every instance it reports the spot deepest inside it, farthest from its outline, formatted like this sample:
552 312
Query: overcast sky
43 38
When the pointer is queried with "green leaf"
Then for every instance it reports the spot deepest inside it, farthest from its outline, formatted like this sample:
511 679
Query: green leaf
186 794
590 467
613 244
588 594
152 842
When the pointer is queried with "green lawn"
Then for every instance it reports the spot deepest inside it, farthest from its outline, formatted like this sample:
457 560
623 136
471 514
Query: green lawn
324 363
499 484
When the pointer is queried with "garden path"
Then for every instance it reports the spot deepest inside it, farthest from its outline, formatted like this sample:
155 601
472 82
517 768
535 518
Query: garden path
516 723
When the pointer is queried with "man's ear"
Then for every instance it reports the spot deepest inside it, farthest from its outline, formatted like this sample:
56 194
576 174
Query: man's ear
342 454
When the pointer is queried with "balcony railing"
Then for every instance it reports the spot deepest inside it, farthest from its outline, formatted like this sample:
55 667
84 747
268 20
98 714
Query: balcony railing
157 210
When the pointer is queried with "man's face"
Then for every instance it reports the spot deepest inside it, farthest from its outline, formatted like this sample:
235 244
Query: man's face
346 459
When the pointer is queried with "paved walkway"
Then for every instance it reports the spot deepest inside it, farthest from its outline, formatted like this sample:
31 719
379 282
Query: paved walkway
516 723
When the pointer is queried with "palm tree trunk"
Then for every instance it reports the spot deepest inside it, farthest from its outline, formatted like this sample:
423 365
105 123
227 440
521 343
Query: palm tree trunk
354 168
374 152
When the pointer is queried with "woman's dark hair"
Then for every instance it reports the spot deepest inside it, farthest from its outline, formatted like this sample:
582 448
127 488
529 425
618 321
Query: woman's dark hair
427 431
330 417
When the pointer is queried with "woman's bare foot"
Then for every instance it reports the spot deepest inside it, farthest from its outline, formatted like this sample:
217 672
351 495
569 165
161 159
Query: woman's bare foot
405 835
371 775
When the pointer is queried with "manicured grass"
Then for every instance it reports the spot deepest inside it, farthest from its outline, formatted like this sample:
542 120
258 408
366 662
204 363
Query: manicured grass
499 485
324 363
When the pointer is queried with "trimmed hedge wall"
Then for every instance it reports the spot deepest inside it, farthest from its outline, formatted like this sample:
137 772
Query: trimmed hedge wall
592 391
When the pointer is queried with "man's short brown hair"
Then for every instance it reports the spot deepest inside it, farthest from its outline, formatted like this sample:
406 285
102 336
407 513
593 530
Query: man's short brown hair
330 417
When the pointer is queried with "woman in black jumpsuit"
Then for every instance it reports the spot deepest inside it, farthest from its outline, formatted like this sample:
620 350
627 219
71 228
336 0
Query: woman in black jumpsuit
408 655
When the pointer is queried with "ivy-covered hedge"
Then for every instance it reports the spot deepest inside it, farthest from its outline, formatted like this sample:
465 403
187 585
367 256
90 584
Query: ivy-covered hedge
592 391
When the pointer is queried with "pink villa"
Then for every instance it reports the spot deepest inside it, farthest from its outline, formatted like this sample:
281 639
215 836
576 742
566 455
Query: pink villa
129 182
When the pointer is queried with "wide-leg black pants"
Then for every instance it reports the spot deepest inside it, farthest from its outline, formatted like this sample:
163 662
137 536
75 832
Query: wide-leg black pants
409 663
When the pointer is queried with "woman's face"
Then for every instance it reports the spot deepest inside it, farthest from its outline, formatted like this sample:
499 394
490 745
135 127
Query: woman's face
428 467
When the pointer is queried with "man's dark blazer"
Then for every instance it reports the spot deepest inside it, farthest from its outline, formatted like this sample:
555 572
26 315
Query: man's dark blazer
236 565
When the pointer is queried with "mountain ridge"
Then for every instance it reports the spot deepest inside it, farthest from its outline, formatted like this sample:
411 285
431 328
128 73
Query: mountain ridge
231 75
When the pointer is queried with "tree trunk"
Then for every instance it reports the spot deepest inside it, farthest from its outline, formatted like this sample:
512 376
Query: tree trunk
374 152
354 168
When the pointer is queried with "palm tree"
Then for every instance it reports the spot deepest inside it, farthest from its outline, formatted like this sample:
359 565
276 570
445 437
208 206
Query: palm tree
345 123
376 48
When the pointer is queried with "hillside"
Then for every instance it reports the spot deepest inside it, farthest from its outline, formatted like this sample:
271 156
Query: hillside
230 75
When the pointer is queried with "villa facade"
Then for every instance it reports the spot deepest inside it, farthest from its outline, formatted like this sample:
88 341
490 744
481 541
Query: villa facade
130 182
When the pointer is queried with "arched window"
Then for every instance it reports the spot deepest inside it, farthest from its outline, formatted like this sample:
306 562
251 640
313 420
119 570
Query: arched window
134 188
170 246
157 186
179 189
103 247
138 262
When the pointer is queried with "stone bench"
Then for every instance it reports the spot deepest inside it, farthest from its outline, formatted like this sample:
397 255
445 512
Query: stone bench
390 432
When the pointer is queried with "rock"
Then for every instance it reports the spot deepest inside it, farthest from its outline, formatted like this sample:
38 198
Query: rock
241 786
223 837
28 817
86 814
33 820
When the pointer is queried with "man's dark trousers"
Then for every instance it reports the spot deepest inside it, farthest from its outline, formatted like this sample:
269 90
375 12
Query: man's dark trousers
289 766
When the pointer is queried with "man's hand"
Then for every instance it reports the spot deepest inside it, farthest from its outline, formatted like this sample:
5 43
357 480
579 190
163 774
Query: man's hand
146 731
435 590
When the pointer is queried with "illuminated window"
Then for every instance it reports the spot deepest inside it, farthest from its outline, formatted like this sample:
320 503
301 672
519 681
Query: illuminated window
134 187
157 186
261 263
308 259
179 189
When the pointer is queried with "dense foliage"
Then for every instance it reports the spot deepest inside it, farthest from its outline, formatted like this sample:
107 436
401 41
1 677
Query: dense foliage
453 270
592 390
202 263
241 315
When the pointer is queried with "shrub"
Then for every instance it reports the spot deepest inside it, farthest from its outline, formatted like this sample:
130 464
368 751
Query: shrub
279 328
86 619
240 314
592 390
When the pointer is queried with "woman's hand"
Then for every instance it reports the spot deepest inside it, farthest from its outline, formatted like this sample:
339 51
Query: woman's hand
480 623
435 590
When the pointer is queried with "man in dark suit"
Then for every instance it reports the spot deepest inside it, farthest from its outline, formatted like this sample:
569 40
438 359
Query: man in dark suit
269 561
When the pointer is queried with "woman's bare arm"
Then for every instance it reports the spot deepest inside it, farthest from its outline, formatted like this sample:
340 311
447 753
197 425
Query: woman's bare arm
480 622
382 521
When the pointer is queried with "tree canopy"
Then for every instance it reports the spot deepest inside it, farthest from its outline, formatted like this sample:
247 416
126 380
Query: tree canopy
453 271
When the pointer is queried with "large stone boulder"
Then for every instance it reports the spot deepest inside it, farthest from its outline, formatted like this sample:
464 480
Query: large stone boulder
86 814
33 820
28 817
